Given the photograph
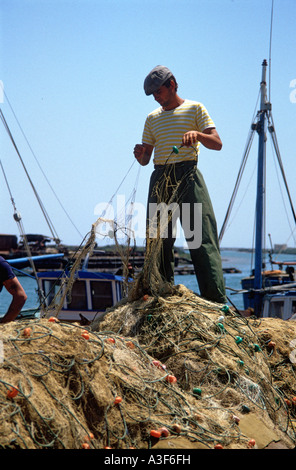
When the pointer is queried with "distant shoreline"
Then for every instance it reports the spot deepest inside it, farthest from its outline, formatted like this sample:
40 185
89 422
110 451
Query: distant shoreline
286 251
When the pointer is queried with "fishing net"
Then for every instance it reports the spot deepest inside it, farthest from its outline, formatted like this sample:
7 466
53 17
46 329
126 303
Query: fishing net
168 362
163 368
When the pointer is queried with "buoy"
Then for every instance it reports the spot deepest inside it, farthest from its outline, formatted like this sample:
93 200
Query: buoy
238 339
177 428
117 400
225 309
196 391
251 443
236 419
145 297
155 433
257 347
12 392
27 332
130 344
53 319
175 149
110 340
164 432
271 344
218 446
85 445
85 335
245 409
171 379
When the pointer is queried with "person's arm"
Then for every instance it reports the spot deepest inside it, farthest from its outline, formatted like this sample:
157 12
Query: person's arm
143 153
19 298
209 138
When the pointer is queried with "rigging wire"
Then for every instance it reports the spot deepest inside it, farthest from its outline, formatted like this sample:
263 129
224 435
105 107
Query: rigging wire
276 146
46 216
240 173
35 157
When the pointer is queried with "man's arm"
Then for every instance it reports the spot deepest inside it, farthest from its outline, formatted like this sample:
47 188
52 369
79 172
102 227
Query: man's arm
143 153
209 138
19 298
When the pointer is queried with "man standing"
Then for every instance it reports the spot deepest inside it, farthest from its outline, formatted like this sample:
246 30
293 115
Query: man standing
9 280
181 125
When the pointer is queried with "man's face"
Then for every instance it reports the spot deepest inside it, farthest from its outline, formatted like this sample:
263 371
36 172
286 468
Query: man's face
164 95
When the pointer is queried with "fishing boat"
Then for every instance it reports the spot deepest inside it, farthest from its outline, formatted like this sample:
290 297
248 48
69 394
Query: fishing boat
91 293
265 293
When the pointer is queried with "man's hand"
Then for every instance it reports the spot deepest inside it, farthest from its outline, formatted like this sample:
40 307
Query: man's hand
142 153
189 138
209 138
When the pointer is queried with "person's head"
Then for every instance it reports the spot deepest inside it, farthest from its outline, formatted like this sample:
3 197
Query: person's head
161 83
159 76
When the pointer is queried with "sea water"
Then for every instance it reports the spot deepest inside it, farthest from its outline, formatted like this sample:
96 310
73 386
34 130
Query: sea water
243 261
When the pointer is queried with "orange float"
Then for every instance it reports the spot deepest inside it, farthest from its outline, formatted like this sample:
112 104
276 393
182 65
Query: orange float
12 392
117 400
155 433
251 443
27 332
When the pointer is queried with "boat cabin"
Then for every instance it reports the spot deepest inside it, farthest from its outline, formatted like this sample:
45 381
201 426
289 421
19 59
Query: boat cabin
281 305
92 293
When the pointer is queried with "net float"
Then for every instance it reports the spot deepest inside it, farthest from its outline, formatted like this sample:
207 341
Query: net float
27 332
164 432
155 433
177 428
171 379
12 392
251 443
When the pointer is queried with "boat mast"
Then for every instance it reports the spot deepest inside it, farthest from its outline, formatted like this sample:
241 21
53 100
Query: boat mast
260 202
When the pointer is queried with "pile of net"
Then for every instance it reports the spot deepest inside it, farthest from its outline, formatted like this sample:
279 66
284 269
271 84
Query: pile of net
172 371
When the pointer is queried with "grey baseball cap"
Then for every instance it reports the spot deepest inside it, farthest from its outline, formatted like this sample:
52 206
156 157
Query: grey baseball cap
157 77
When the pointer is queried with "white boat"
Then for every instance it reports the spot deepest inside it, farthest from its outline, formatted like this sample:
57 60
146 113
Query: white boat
90 295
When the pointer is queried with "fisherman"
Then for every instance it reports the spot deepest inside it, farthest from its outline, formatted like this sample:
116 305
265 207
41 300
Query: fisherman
181 125
9 280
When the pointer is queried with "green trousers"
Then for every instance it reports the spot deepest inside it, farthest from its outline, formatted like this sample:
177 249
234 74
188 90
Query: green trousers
183 184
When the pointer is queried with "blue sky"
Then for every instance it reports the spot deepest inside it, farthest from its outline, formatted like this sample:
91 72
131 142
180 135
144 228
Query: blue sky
73 73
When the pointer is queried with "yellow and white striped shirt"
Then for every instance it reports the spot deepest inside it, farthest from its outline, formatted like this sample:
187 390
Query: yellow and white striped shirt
165 129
